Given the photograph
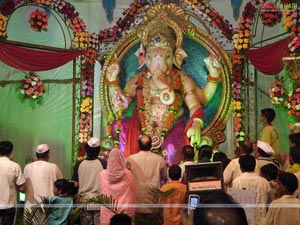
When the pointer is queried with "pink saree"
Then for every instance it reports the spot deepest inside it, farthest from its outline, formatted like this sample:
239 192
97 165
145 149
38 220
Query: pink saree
120 183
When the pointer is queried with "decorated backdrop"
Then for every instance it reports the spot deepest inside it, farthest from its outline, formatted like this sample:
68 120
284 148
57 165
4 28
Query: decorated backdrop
66 113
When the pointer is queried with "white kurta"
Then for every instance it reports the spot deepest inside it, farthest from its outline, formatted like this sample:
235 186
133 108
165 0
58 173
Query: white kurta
10 177
284 211
253 182
40 176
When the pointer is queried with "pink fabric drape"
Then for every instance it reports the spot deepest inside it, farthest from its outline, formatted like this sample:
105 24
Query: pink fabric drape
120 183
268 59
28 59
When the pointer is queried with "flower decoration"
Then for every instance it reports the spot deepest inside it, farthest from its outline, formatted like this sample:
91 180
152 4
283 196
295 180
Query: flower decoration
45 2
7 7
85 121
293 105
270 14
288 20
3 23
81 40
242 37
285 96
241 40
294 46
209 14
77 25
278 92
31 88
38 20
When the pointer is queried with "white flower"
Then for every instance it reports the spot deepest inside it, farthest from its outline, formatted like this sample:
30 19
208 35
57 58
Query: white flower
297 107
34 96
33 83
22 91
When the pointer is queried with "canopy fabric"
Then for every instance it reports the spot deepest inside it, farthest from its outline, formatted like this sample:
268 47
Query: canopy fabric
28 59
268 59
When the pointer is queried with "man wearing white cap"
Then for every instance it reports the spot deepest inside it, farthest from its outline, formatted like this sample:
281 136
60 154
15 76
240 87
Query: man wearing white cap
40 176
87 178
264 151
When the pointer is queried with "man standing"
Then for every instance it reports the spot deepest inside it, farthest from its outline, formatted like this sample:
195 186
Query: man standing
11 180
264 153
40 176
269 132
285 210
150 170
178 196
87 178
188 156
233 169
251 181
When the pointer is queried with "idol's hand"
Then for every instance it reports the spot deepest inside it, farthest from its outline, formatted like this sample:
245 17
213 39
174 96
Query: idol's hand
194 132
119 100
213 66
113 71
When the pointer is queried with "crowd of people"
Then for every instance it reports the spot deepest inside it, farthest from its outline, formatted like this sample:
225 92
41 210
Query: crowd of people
148 191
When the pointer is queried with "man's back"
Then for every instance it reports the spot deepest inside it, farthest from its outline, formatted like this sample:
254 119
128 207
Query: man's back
87 173
232 171
178 196
148 167
11 176
250 181
284 215
40 176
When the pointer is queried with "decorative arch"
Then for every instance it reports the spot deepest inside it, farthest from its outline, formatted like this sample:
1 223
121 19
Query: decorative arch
81 40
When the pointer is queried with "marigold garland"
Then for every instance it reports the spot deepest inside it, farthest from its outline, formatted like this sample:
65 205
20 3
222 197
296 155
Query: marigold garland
171 113
3 21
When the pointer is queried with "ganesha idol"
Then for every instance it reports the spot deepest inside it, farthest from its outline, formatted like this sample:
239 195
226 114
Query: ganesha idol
157 95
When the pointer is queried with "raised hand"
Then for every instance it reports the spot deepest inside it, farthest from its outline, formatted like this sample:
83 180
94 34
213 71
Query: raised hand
113 71
213 66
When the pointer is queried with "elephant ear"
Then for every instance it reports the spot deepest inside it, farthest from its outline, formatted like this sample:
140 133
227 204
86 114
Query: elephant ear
141 55
179 56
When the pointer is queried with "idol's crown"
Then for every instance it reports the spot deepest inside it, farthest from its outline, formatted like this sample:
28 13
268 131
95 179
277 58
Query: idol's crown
161 37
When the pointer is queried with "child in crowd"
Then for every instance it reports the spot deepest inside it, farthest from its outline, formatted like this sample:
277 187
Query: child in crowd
172 214
62 202
270 172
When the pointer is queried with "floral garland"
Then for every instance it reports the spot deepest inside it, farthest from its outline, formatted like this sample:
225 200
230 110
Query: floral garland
292 24
293 105
38 20
241 43
294 46
3 21
132 16
31 88
143 104
209 14
270 14
285 96
278 92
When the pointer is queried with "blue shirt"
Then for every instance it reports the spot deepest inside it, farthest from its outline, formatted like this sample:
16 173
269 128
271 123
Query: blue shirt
62 206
